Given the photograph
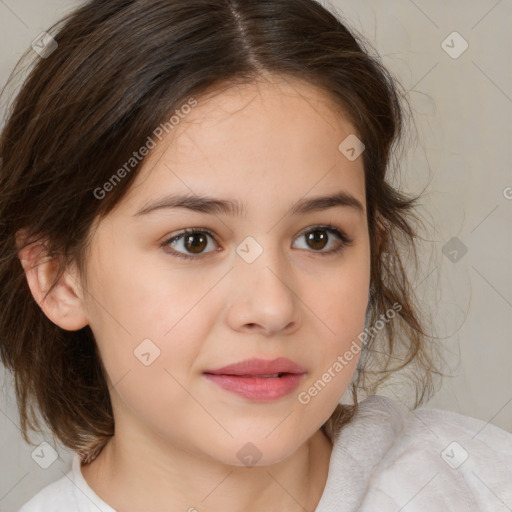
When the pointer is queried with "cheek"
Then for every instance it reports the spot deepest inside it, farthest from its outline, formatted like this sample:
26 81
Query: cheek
149 343
343 299
340 305
151 317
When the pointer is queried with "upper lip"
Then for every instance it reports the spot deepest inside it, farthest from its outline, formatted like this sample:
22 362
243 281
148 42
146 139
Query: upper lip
256 366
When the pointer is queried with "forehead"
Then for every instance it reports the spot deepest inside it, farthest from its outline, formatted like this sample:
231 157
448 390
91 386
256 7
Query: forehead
252 140
274 112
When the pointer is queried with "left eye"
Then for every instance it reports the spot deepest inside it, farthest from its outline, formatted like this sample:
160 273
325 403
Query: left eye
319 237
193 243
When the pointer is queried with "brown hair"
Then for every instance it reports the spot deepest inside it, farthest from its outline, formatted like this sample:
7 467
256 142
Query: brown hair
120 69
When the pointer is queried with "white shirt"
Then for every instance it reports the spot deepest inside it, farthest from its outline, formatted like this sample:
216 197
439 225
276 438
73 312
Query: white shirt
386 459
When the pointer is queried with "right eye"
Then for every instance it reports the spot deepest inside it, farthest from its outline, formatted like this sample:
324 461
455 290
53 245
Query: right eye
190 243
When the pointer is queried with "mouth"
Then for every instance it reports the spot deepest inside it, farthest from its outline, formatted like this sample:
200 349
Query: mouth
258 379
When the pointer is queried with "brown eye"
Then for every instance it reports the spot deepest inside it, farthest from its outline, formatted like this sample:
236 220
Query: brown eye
321 237
190 243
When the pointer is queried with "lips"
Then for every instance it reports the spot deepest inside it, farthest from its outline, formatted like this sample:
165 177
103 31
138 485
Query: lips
258 379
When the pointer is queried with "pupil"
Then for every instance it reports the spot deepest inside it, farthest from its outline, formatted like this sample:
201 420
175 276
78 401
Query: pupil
315 237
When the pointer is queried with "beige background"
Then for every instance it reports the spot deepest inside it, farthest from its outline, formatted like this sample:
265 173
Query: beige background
463 155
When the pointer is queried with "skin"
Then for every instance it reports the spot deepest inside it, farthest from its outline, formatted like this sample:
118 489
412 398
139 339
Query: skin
267 145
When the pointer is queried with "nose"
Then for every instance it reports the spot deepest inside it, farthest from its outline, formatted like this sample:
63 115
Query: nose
263 297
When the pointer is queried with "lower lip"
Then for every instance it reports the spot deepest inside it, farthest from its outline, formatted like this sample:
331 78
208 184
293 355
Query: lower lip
262 389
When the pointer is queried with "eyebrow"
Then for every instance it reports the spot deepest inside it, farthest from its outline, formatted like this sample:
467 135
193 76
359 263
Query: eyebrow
210 205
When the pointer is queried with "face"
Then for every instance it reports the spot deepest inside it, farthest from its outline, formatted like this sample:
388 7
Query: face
257 275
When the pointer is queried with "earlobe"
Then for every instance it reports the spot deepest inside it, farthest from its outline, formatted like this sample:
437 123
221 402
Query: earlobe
63 304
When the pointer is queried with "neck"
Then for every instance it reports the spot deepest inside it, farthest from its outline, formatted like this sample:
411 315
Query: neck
135 475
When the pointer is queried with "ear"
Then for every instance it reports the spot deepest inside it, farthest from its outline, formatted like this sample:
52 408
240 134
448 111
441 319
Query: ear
64 304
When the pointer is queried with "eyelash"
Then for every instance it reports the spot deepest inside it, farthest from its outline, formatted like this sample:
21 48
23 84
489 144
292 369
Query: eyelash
345 240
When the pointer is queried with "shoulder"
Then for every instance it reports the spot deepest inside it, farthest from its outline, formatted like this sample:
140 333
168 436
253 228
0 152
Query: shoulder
71 493
55 497
442 460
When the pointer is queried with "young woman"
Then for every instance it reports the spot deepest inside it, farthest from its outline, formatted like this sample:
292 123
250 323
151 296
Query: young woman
202 252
